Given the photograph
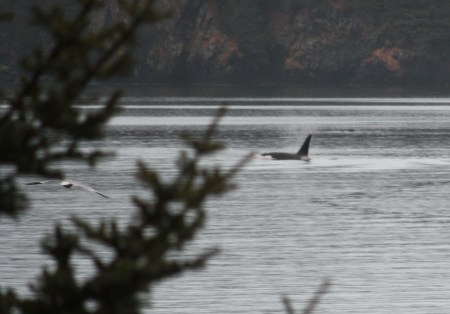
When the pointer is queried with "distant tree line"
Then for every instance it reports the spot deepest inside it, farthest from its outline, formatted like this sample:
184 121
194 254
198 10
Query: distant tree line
264 41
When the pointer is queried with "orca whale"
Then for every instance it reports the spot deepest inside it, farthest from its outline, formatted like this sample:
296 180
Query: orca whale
302 154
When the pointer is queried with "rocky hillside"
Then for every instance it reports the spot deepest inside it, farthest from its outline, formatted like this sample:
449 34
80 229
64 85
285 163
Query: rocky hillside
296 42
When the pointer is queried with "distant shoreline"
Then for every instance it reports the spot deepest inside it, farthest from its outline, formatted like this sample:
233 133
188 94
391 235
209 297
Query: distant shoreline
256 91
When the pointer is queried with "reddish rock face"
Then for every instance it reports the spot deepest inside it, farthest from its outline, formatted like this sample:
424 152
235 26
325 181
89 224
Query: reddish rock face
389 57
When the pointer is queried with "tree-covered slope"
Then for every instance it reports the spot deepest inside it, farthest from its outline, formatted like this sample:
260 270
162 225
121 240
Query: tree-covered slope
302 42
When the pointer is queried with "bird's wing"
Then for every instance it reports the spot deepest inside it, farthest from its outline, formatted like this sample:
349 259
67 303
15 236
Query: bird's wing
88 188
102 194
38 182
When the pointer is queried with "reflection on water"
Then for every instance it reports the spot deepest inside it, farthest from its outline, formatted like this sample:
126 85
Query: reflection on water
370 211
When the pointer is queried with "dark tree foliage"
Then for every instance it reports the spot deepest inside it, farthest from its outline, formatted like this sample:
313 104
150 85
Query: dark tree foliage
245 21
312 303
140 251
408 23
41 125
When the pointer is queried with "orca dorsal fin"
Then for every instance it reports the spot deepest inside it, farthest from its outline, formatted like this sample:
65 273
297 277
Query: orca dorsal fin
305 147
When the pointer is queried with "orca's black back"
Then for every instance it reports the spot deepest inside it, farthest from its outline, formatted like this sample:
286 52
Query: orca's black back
282 156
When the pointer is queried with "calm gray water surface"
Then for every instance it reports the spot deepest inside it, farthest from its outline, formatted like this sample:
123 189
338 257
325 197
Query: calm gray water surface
370 212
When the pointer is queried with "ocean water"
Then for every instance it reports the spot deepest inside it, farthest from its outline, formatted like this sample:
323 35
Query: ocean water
369 213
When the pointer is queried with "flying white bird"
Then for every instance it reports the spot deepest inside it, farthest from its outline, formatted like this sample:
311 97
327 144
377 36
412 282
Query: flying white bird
68 184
